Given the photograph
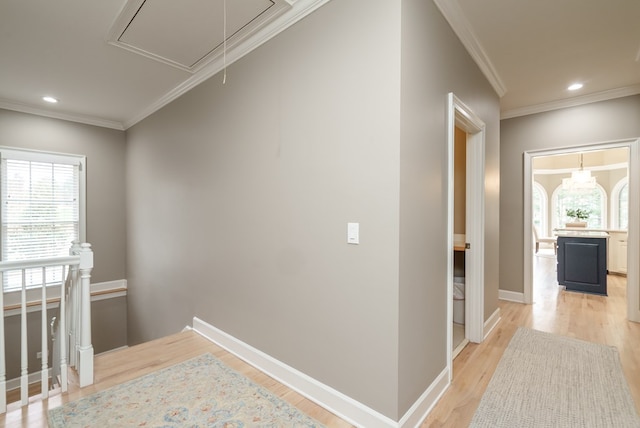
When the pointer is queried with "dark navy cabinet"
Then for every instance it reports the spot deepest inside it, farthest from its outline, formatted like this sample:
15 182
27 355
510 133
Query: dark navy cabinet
582 262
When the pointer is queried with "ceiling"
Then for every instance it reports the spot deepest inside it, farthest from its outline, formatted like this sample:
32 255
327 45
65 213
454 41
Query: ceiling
532 50
112 63
593 160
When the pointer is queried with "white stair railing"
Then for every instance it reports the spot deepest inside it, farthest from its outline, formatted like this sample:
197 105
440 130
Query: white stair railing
74 339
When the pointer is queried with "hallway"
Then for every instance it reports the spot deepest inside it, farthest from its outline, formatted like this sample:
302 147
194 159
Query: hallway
588 317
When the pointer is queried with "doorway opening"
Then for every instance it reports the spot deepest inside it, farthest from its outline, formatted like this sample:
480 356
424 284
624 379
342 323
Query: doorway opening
604 220
472 130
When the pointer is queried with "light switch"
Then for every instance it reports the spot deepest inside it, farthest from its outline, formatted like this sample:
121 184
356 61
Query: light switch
353 233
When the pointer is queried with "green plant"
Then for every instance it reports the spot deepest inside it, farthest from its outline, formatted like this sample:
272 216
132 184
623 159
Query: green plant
578 213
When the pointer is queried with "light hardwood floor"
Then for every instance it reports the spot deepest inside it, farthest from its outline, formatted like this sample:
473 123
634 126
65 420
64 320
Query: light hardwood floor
594 318
588 317
123 365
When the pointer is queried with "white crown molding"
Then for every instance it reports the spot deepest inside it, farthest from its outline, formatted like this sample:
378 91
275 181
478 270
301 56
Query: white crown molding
572 102
299 9
461 26
72 117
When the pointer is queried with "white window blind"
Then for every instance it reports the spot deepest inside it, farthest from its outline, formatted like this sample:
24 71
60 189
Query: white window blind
40 195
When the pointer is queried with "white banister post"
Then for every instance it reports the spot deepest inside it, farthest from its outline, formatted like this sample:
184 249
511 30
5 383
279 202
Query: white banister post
62 328
73 310
85 365
24 369
44 335
3 367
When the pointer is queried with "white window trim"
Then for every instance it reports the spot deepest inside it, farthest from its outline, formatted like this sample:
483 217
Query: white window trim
544 207
64 158
615 201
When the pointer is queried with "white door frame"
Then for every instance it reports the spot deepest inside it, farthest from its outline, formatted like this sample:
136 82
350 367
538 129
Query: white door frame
458 114
633 248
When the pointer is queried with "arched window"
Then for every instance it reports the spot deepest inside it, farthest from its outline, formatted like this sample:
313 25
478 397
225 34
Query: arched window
620 205
593 200
540 211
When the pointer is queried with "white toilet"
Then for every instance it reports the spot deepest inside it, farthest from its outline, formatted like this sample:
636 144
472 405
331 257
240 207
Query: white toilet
458 300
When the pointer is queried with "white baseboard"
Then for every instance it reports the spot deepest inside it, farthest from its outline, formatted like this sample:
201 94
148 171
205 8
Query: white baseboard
34 377
421 408
491 323
511 296
336 402
119 348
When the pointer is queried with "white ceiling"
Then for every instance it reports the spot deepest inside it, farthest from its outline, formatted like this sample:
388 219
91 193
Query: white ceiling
593 160
530 50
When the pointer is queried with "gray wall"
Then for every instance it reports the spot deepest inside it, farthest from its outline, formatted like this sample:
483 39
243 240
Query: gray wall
435 63
239 195
592 123
105 152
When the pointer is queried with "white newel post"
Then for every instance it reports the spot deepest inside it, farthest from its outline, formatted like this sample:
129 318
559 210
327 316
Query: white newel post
73 311
44 336
62 328
85 365
3 378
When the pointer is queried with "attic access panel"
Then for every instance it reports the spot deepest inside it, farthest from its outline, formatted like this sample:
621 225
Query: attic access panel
188 34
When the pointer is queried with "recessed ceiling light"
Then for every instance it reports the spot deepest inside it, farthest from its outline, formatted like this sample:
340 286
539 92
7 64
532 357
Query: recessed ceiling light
50 99
575 87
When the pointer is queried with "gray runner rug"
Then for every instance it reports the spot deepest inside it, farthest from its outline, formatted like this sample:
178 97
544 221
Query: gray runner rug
545 380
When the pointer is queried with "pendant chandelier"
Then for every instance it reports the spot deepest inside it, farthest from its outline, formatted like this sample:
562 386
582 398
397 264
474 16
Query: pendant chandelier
579 180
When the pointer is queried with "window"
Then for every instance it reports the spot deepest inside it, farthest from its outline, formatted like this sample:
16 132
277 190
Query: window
620 205
594 200
540 209
42 210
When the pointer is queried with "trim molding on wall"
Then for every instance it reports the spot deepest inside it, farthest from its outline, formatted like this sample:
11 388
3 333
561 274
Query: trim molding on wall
336 402
572 102
299 9
492 322
460 25
511 296
423 406
35 377
72 117
99 291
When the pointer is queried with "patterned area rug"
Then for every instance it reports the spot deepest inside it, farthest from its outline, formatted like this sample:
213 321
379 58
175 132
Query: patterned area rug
544 380
201 392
